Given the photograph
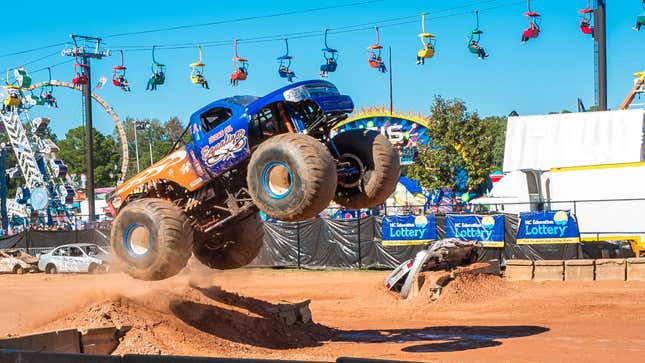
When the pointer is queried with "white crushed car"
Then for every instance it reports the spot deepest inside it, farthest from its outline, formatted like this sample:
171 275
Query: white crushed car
17 262
75 257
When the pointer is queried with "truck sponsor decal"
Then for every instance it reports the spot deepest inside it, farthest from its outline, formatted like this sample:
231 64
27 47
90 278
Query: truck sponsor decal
489 230
226 149
219 134
547 227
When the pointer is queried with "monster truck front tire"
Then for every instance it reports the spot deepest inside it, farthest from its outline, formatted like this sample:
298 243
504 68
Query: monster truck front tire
235 246
151 239
381 168
292 177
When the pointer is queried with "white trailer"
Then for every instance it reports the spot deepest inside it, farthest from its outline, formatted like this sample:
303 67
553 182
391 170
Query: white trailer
590 163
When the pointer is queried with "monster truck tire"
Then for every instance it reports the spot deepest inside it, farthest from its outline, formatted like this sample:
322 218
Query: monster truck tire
235 246
292 177
381 168
151 239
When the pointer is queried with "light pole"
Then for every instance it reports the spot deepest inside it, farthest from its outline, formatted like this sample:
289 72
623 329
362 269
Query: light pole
84 49
136 145
143 125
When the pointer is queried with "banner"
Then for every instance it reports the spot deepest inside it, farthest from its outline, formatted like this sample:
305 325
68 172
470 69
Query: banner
408 230
489 230
547 227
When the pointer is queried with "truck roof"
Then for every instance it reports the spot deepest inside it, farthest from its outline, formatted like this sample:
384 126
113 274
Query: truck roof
254 103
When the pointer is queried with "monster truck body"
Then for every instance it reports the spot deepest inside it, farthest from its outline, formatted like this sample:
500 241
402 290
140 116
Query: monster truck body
247 153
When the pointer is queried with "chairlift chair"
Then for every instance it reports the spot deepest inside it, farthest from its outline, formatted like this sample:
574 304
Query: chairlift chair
80 70
331 59
534 19
586 15
428 41
374 58
158 76
284 64
197 71
118 76
241 66
640 20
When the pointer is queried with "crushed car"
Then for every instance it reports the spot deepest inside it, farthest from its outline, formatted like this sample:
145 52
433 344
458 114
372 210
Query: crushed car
17 261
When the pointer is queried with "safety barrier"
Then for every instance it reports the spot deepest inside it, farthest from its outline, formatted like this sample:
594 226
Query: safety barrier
9 356
615 269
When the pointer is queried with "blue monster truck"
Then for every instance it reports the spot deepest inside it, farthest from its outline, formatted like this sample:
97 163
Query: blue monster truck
248 154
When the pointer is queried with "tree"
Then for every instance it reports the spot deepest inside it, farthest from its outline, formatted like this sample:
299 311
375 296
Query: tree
161 136
106 155
459 142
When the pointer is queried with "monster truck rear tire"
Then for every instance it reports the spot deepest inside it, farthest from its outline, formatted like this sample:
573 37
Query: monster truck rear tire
151 239
381 168
292 177
235 246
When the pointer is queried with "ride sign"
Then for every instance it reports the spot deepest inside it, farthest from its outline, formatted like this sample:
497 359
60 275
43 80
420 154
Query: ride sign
489 230
545 227
408 230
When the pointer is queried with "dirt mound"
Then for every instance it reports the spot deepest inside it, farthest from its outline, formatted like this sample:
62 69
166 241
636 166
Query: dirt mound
472 288
204 321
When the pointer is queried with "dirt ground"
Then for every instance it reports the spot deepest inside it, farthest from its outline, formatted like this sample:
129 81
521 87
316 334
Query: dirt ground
228 314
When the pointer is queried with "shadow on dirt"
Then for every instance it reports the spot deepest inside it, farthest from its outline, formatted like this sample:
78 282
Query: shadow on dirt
443 338
261 327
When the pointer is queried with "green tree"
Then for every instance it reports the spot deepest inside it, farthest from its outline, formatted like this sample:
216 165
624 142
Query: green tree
160 136
106 155
459 141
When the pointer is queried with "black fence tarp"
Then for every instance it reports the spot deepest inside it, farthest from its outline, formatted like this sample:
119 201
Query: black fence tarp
356 243
14 241
343 243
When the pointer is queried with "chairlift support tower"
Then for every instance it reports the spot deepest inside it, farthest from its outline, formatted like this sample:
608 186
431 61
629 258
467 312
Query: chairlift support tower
84 49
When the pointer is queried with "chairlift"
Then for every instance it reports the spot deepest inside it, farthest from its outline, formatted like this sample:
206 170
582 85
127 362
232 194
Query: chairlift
374 58
428 41
284 66
240 66
475 37
586 15
158 76
331 59
48 92
197 71
118 76
534 19
640 20
80 72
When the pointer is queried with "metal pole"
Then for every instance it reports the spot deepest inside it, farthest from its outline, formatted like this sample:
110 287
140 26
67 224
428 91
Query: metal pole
298 239
150 143
89 141
600 33
358 232
136 145
3 190
391 102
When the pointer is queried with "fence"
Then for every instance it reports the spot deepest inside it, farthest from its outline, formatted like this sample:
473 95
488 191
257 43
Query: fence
355 242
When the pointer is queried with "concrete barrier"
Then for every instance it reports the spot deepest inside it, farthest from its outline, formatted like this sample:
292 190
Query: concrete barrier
137 358
519 270
66 341
39 357
636 269
579 270
548 270
610 269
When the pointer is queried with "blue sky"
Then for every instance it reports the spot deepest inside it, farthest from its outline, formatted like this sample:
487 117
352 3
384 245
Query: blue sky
547 74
